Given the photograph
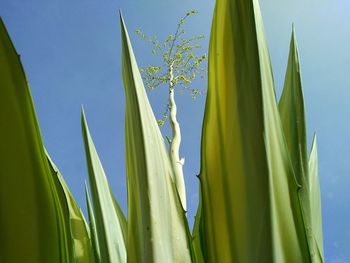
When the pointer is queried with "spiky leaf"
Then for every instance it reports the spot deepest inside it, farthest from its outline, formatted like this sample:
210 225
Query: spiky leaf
108 227
156 228
32 224
250 195
198 242
315 202
77 226
92 224
292 113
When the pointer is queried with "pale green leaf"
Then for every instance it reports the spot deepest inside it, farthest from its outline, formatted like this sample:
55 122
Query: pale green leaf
108 227
315 202
76 222
156 228
198 242
92 224
292 113
251 210
32 224
122 219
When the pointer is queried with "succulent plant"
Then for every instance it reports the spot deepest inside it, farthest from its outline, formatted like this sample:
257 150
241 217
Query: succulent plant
259 188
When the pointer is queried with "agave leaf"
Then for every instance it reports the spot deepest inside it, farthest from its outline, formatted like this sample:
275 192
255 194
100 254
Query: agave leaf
122 219
251 211
76 221
92 223
315 202
198 234
156 228
108 227
292 113
32 224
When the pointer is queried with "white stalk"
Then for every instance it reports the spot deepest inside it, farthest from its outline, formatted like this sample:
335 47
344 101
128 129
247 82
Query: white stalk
174 149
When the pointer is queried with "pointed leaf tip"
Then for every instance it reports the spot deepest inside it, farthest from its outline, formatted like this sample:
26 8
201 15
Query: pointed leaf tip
84 124
314 140
293 38
154 208
108 227
86 186
241 115
122 22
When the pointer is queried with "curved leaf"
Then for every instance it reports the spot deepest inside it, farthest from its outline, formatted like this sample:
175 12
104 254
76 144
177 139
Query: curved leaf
76 221
292 112
156 228
198 241
92 224
32 224
108 227
315 202
250 195
122 219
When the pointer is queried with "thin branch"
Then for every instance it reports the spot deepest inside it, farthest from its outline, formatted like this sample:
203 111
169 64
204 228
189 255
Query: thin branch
182 20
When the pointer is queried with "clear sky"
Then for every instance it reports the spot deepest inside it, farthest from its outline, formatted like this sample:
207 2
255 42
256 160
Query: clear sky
71 54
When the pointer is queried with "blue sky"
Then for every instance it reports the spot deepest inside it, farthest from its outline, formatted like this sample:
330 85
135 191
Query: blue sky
71 54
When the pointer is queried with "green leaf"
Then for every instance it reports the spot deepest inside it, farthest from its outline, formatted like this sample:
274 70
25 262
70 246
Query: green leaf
75 218
108 227
292 112
32 224
92 224
198 242
122 219
157 231
169 38
315 202
251 211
